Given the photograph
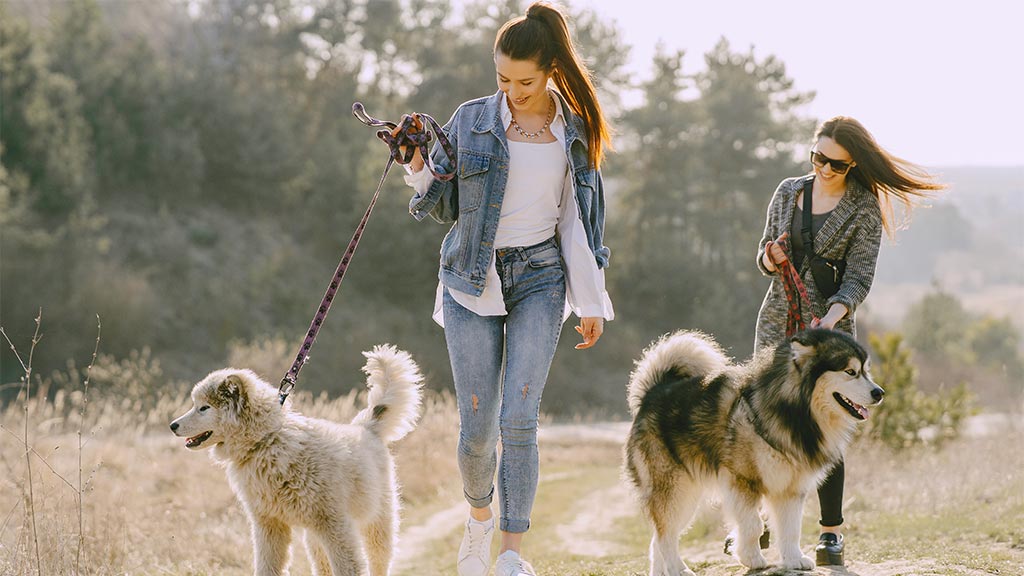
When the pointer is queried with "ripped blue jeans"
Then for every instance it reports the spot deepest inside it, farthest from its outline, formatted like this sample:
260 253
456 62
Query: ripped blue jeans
493 400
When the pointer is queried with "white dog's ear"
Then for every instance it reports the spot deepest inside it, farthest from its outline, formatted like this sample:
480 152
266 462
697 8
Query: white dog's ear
232 390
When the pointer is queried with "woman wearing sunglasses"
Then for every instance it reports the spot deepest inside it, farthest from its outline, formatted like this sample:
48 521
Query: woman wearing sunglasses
852 188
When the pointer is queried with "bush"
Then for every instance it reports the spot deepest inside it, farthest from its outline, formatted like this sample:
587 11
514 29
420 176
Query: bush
995 344
908 416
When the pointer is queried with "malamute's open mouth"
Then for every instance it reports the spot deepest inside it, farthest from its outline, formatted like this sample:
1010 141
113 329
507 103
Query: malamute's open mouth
856 410
196 441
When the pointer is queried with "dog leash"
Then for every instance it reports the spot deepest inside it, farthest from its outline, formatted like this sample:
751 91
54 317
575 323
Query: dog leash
796 292
411 135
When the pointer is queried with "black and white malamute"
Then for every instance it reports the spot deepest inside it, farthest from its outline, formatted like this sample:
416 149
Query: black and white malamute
769 429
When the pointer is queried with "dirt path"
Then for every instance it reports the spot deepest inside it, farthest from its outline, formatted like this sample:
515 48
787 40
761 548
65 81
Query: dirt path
591 531
415 541
889 568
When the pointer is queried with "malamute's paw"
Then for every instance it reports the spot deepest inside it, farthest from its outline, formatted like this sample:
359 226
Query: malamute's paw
798 563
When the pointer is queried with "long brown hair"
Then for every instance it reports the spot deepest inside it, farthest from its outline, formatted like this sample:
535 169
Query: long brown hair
885 175
543 36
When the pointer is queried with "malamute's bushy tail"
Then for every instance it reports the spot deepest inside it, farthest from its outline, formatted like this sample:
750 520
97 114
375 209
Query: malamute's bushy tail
395 383
685 353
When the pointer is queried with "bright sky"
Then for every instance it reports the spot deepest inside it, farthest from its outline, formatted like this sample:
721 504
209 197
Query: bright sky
938 82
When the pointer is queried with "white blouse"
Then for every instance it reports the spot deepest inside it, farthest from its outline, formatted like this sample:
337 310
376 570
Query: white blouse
539 203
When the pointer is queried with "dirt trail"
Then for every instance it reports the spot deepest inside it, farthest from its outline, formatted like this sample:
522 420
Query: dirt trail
590 533
922 567
415 541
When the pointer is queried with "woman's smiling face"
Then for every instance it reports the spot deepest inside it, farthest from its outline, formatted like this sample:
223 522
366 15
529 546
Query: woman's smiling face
523 82
829 148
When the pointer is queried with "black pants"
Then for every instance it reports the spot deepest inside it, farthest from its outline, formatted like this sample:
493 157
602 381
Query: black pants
830 496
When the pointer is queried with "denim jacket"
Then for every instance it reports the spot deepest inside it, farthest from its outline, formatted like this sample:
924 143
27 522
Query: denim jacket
472 200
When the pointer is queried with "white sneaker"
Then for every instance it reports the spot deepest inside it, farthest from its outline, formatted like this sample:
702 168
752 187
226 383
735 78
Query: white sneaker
510 564
475 551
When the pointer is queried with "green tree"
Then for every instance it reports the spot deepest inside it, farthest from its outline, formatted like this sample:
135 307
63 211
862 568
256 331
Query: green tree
995 344
648 217
44 134
936 324
750 129
700 173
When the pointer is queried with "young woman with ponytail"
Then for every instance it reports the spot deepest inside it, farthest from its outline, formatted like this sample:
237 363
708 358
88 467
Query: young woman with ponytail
852 187
525 248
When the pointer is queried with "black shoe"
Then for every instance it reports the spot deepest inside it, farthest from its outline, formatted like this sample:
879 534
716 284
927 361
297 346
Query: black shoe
829 550
764 541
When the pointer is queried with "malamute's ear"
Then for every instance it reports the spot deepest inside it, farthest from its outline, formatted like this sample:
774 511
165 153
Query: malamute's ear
800 352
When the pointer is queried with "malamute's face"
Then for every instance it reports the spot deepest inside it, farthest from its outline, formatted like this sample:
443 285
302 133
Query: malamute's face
215 403
850 391
840 369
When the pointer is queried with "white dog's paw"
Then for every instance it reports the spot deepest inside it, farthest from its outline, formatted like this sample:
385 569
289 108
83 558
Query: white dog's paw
666 571
753 560
799 562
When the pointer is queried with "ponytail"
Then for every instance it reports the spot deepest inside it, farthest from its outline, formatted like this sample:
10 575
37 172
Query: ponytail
543 36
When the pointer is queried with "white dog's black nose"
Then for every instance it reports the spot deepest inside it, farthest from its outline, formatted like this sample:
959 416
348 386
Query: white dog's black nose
174 426
876 393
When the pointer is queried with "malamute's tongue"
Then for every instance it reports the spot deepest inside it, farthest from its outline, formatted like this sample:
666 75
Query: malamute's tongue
855 410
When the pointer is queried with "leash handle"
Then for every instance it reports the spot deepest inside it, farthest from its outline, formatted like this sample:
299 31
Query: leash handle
796 291
411 137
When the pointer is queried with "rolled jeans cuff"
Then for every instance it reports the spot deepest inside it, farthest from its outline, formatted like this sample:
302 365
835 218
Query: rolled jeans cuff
514 526
480 502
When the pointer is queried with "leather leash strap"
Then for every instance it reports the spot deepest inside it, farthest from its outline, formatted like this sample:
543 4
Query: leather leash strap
796 292
410 135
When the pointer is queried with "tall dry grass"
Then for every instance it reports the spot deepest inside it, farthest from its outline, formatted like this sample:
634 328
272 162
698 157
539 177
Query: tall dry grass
92 482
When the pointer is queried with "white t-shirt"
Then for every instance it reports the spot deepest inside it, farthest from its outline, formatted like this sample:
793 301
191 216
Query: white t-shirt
539 203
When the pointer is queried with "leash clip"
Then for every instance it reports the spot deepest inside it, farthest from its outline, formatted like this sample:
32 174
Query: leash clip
287 384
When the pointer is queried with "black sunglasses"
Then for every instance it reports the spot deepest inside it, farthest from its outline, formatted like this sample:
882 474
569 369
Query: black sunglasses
838 166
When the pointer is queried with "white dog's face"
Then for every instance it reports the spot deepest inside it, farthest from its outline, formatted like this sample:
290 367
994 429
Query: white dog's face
215 406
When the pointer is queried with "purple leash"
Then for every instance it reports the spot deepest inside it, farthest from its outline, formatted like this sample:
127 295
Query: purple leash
409 135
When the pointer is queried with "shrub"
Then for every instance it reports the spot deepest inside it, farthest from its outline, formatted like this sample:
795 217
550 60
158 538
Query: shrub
909 416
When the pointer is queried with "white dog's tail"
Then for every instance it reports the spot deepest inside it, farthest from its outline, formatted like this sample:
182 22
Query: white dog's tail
394 381
685 353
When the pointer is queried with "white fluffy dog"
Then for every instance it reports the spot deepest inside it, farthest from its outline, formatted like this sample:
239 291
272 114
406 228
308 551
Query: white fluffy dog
335 480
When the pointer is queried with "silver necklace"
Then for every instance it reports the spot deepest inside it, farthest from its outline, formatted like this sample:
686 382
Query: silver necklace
543 129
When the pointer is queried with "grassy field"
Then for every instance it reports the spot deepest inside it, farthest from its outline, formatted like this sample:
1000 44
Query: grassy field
134 501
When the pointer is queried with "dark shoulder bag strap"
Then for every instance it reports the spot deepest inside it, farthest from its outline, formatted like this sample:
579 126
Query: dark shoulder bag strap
805 232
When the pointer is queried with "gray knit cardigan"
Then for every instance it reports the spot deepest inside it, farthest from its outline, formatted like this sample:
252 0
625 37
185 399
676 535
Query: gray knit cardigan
852 231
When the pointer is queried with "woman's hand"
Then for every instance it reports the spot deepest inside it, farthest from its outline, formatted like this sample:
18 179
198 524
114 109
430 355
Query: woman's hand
774 253
417 158
835 313
591 329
